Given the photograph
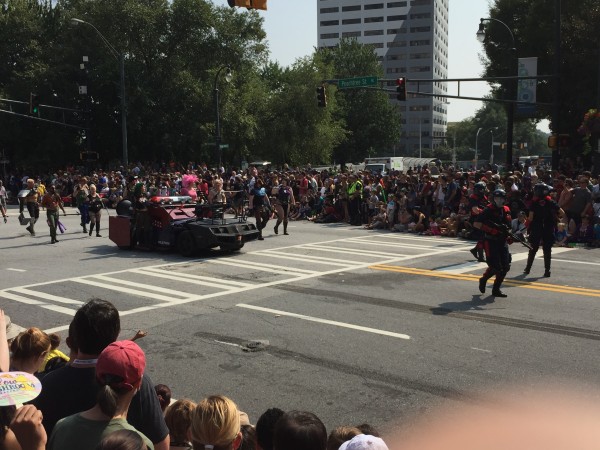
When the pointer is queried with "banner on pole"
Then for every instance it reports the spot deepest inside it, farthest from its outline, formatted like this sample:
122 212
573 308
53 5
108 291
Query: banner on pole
526 91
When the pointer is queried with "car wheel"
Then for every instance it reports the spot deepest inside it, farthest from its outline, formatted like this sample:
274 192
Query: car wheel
186 244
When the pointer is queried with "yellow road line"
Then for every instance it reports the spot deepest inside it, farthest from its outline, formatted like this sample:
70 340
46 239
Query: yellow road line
509 282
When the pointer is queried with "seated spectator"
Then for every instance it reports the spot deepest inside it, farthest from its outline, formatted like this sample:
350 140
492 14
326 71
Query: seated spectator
29 350
518 224
122 440
561 236
380 220
216 424
265 427
178 418
73 388
163 392
364 442
299 430
340 435
119 371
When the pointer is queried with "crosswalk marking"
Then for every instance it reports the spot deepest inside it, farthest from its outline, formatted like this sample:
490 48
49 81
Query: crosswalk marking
45 296
266 267
123 289
311 259
326 248
189 278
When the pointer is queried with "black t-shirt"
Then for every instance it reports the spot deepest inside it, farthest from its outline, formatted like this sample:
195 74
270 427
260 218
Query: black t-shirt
545 213
70 390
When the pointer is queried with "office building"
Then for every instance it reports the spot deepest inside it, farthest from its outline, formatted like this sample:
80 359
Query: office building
410 39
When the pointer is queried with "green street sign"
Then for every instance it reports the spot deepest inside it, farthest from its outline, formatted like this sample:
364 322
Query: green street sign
224 146
348 83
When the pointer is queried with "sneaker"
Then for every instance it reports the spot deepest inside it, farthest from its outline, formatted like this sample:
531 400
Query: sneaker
499 293
482 282
526 270
28 228
547 274
276 229
98 235
474 253
286 233
260 238
89 233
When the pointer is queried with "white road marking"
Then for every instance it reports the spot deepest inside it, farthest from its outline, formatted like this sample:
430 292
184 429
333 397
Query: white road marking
15 270
325 321
481 350
45 296
184 278
123 289
143 286
327 248
305 258
271 268
17 298
573 262
472 266
189 278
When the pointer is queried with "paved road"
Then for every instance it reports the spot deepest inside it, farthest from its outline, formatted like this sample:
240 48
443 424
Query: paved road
355 325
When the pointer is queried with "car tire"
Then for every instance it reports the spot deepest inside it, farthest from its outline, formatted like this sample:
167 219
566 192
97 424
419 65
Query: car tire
186 244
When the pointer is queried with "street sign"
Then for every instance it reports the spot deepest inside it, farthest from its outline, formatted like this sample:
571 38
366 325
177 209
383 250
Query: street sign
348 83
224 146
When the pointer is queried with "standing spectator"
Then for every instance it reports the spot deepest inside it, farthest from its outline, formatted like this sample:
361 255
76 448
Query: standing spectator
119 373
179 419
581 201
73 388
52 202
80 193
95 206
355 192
3 198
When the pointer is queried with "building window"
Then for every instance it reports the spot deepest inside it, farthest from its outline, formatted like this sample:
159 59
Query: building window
377 45
329 10
329 23
351 8
396 44
396 4
374 33
395 18
396 31
420 29
373 19
349 34
350 21
420 42
421 16
374 6
420 69
420 2
420 55
330 35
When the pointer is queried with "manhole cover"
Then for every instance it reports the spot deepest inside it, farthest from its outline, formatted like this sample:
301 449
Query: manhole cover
255 346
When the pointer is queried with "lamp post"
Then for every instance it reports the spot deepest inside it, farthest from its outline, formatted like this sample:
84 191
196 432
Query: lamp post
121 58
492 152
476 146
510 114
228 77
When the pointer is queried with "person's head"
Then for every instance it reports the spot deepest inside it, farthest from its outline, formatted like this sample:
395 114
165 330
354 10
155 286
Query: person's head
367 428
364 442
29 349
340 435
51 189
30 183
119 371
216 423
122 440
248 438
92 188
299 430
561 226
96 324
265 426
499 198
178 418
163 392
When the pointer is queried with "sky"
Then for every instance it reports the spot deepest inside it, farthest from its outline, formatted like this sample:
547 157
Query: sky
291 27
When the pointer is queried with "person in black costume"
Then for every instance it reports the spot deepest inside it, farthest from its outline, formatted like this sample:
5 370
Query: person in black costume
477 202
542 221
285 198
494 220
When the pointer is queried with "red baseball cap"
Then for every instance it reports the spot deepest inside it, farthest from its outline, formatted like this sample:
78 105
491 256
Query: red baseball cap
121 365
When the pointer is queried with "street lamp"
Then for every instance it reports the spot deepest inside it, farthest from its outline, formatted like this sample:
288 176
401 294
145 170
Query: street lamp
228 77
476 146
510 115
121 58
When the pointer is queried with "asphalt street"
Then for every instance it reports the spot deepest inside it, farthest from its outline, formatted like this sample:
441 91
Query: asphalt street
354 325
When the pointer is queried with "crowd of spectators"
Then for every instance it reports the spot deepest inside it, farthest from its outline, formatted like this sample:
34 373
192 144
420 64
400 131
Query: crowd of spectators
429 200
99 397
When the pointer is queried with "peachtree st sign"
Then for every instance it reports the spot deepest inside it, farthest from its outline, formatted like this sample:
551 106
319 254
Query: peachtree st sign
348 83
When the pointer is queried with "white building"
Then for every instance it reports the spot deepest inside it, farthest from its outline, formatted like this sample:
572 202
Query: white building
411 40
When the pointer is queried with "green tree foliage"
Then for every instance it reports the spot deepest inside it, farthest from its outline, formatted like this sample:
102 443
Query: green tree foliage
532 22
372 121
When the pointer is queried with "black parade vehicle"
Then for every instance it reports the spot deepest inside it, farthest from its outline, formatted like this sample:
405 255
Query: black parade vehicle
176 223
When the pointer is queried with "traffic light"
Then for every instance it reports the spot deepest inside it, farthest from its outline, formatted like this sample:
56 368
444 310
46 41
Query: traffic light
564 141
552 141
401 89
322 96
34 104
250 4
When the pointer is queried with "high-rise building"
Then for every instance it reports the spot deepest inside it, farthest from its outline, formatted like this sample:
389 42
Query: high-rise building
410 39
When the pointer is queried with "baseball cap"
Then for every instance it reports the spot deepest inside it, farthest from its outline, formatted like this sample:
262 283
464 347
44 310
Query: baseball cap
18 388
121 365
12 330
364 442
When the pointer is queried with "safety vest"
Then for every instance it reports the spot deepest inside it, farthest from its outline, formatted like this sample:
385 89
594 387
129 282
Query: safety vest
356 186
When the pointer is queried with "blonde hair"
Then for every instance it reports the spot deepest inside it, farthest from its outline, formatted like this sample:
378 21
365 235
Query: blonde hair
215 423
30 343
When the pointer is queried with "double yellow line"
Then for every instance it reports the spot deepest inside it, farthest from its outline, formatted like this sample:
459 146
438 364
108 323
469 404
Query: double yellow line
508 282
